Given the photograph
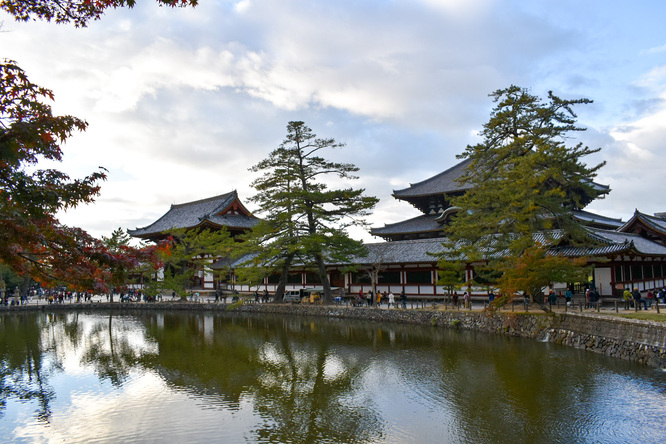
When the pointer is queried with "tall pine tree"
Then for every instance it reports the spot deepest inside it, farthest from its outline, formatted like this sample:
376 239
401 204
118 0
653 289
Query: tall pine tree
525 180
305 221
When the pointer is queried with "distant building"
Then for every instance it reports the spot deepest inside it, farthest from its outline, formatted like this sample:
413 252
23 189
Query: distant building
214 213
631 254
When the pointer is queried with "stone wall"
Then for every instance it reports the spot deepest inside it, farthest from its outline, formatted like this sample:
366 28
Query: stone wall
638 341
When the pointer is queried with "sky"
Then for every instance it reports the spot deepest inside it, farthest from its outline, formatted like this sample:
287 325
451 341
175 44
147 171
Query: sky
182 102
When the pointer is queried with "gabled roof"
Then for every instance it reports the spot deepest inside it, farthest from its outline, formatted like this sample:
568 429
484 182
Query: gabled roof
641 244
643 221
225 210
615 242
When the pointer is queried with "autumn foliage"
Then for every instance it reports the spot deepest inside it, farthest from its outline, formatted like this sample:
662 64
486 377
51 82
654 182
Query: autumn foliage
78 12
34 243
535 269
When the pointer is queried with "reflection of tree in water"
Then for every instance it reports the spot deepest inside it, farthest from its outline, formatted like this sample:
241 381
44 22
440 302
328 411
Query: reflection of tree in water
204 355
308 381
299 379
114 346
307 378
33 347
23 372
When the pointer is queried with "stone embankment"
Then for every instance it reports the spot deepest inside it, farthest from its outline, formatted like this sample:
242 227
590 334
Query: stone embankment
638 341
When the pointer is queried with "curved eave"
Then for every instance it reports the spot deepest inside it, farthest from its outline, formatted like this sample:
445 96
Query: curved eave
449 184
409 197
201 225
646 220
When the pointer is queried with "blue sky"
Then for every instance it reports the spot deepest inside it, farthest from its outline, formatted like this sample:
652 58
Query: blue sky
181 102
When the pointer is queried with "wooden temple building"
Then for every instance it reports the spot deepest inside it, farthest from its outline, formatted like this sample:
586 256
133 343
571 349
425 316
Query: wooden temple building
213 213
631 254
225 210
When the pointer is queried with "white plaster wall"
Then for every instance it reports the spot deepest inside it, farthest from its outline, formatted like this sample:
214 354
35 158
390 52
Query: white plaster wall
602 279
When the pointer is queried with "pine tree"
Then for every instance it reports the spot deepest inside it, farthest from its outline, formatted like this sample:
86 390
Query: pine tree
304 220
525 180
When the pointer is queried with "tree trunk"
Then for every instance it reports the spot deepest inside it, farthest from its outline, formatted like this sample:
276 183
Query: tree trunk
325 283
282 283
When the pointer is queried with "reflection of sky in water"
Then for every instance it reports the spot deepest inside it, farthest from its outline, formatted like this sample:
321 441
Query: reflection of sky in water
355 384
144 409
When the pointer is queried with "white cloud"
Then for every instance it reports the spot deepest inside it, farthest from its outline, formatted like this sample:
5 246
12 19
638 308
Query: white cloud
242 6
182 101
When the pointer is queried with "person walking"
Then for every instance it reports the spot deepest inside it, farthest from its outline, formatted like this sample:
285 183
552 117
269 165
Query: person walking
403 297
391 299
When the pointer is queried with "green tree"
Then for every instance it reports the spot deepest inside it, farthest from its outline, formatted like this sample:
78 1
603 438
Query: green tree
190 253
451 275
303 218
119 238
525 183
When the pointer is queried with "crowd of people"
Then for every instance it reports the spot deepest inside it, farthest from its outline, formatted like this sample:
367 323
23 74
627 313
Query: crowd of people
371 299
49 295
635 298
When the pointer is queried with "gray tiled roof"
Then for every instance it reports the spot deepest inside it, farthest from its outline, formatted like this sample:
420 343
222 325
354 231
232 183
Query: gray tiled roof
592 218
428 223
447 182
656 223
610 242
422 251
416 251
444 182
407 251
200 212
419 224
640 244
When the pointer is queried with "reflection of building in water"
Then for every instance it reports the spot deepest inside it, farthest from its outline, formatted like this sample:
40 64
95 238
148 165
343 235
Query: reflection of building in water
208 328
631 254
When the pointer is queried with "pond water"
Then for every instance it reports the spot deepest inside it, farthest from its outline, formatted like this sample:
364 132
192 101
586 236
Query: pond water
184 377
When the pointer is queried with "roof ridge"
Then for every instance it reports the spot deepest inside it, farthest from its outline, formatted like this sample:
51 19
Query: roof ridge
619 219
208 199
